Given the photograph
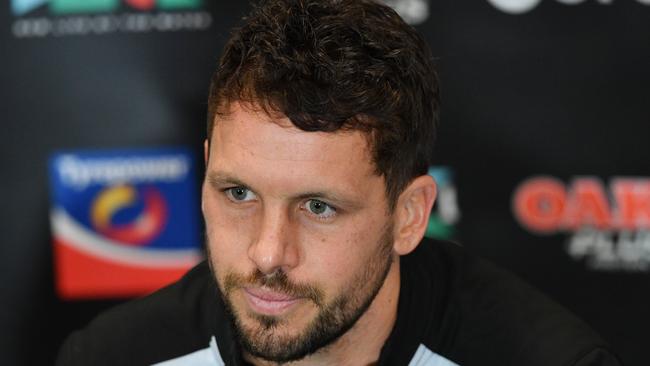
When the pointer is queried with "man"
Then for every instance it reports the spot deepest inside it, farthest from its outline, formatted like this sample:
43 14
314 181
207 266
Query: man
321 121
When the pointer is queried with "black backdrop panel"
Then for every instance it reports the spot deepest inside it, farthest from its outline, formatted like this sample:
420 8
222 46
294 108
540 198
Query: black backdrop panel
531 88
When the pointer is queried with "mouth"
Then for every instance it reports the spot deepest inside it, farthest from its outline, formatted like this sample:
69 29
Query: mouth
266 302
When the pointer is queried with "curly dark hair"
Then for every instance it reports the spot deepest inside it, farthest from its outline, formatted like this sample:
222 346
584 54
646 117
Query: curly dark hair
337 64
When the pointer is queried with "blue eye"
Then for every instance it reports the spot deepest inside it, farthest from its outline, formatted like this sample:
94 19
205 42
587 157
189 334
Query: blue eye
320 208
240 194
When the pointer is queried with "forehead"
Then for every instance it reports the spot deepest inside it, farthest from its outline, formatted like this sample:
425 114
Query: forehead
255 146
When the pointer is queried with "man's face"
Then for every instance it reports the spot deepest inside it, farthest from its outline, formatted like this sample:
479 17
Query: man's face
299 235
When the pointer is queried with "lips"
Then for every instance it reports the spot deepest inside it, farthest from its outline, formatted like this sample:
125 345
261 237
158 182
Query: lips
267 302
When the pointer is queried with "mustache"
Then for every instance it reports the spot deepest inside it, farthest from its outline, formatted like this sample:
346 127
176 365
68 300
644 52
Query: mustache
277 281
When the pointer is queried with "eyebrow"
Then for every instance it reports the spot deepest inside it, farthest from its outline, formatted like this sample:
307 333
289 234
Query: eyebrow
330 197
222 179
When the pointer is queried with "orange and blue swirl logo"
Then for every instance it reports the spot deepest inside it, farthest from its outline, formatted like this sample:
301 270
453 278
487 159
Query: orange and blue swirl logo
128 215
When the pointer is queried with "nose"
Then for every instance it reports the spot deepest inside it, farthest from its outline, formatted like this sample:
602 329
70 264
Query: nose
274 247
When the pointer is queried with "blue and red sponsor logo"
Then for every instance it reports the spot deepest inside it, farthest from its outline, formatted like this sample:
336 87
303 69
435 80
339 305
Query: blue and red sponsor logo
124 222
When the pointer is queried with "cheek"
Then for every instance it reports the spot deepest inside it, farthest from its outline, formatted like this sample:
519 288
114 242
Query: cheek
228 235
336 258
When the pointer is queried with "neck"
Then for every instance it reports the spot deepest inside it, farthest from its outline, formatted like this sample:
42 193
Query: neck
362 344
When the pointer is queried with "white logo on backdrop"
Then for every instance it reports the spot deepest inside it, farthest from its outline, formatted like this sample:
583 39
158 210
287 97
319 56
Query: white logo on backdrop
412 11
79 173
523 6
514 6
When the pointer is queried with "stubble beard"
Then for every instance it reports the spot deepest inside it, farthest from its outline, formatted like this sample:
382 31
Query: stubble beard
334 318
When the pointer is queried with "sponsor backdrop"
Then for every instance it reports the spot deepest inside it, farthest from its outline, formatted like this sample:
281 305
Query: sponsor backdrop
541 161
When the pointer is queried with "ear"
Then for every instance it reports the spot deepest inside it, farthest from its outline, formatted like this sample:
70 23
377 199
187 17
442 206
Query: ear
206 151
412 213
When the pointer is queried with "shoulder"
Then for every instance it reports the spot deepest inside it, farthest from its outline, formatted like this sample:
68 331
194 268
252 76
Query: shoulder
493 317
173 321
